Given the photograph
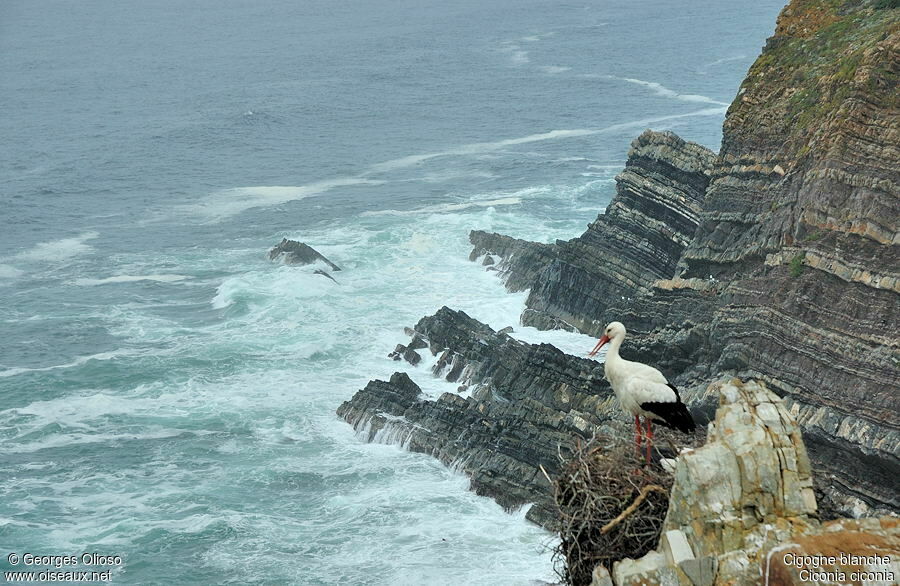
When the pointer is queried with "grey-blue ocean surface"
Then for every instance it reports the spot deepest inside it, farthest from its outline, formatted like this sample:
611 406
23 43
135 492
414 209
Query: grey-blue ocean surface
166 393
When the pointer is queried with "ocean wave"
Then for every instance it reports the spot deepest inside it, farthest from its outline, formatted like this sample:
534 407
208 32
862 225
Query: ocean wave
516 54
77 362
224 204
57 250
448 207
724 60
286 285
661 90
230 202
160 278
478 148
71 439
9 272
554 69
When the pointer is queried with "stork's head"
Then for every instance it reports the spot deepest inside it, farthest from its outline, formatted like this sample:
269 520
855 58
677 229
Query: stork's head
614 331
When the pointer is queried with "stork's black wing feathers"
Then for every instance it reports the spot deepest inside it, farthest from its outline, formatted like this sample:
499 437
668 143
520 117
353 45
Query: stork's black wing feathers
671 414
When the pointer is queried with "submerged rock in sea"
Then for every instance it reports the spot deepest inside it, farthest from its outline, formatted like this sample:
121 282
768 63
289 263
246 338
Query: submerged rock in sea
298 253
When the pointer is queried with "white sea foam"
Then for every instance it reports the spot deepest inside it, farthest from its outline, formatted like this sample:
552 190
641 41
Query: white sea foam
72 439
660 89
478 148
537 37
554 69
259 287
57 250
230 202
724 60
77 362
449 207
517 55
227 203
159 278
9 272
487 147
573 343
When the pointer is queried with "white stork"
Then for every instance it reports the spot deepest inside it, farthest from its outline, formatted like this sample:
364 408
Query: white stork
642 390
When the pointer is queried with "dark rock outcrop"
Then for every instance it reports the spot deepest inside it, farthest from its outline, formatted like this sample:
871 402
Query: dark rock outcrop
523 405
407 353
298 253
520 261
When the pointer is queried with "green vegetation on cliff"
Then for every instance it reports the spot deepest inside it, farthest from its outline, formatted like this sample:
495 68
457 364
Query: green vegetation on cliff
824 53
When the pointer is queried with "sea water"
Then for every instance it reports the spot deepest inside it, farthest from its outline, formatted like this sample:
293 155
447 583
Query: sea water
167 393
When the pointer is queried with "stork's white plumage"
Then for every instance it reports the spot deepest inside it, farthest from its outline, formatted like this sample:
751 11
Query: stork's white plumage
642 390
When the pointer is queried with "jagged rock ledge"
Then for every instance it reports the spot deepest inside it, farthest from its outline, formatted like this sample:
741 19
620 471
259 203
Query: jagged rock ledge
517 407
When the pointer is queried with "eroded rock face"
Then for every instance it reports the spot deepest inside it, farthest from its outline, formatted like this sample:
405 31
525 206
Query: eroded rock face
639 239
298 253
742 507
800 225
775 260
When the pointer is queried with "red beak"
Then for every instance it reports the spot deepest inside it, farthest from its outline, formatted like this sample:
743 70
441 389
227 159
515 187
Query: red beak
599 345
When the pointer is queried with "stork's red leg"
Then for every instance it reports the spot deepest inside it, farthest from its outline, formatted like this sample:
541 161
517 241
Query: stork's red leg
649 439
638 434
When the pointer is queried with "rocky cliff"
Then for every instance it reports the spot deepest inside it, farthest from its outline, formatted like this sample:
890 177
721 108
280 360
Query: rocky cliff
584 282
776 259
791 274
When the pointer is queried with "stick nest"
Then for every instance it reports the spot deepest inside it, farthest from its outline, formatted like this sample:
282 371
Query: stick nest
610 507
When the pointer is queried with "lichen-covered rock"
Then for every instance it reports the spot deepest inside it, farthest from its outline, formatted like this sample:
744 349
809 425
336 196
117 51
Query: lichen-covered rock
742 509
752 472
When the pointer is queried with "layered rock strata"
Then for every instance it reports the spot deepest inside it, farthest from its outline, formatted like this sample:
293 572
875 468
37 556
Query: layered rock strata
638 240
776 259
